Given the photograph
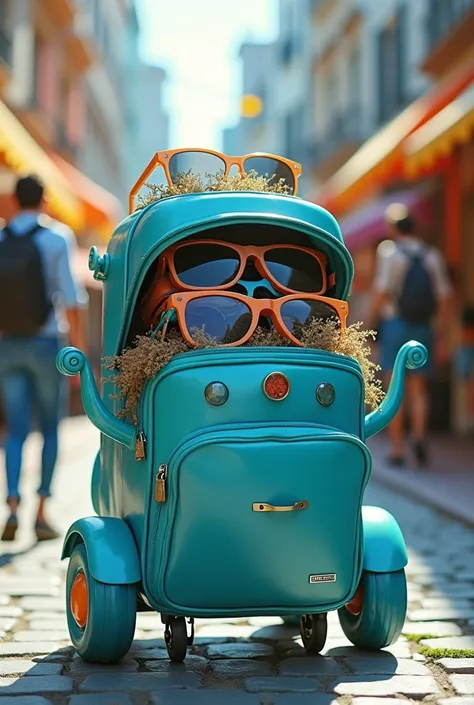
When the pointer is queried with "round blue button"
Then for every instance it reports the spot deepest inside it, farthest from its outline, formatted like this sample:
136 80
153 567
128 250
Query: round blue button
325 394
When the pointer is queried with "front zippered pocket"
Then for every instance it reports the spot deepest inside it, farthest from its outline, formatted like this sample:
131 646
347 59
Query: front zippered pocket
258 520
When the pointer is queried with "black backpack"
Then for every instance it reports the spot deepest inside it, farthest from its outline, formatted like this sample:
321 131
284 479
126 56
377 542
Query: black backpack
417 300
24 304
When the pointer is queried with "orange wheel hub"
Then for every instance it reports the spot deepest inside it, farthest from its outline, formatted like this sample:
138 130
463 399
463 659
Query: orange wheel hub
79 600
355 605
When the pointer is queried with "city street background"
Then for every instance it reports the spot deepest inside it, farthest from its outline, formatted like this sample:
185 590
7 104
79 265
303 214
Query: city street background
375 98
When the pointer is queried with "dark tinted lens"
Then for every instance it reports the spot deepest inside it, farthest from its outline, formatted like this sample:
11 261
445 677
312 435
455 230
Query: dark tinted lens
206 266
295 269
272 169
300 312
200 163
226 320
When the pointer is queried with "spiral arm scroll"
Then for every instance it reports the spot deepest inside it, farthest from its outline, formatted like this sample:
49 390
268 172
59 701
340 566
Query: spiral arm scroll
416 355
71 361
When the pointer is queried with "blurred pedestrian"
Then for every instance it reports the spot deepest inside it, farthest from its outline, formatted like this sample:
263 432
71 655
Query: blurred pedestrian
39 308
410 301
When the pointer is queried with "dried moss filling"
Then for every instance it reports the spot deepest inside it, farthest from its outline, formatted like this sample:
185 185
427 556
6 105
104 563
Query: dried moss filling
134 366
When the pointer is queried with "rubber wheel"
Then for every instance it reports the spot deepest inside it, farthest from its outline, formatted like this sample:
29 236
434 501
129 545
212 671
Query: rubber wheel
101 617
382 614
314 630
177 641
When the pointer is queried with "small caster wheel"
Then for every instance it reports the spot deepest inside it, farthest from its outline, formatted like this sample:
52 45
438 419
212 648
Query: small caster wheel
314 630
176 639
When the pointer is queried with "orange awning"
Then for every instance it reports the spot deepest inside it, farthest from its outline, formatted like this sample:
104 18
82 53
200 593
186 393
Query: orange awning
102 210
21 153
381 159
438 138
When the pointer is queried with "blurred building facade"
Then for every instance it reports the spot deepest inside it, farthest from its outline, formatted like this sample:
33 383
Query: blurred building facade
385 112
75 107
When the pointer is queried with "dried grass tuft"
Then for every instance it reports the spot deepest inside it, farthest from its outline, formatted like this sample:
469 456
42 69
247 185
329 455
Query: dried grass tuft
134 366
190 182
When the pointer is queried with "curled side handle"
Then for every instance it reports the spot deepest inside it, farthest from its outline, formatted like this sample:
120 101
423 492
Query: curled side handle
264 507
72 361
411 356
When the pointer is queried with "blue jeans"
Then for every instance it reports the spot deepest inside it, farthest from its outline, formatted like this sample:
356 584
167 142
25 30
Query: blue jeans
30 381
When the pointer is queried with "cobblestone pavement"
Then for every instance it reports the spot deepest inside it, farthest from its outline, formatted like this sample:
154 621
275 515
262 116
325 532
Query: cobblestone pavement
246 662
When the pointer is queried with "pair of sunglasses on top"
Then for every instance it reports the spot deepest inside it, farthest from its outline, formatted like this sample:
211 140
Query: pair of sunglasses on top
214 265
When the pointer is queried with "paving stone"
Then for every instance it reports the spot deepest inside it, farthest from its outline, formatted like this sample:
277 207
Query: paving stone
25 700
10 611
191 663
139 681
457 665
30 635
281 684
4 599
462 684
230 631
377 701
146 644
309 666
206 640
13 667
101 699
59 624
276 632
20 588
265 621
239 650
454 701
7 623
60 655
204 697
433 628
400 649
303 699
35 684
450 642
445 603
455 590
150 622
368 665
17 648
149 654
46 604
236 668
417 686
81 667
436 615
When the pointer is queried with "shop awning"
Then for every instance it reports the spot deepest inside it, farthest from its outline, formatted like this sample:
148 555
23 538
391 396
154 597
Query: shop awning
22 154
381 159
367 225
454 125
102 210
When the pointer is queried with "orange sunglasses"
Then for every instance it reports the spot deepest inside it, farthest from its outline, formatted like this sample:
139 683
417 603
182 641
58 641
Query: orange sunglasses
231 319
207 161
216 265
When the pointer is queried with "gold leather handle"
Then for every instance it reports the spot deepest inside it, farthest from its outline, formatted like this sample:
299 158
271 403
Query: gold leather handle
263 507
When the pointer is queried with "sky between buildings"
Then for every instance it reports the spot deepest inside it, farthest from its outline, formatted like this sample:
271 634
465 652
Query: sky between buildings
197 42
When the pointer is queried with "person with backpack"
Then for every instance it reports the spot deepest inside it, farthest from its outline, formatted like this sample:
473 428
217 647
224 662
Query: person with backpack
40 306
410 301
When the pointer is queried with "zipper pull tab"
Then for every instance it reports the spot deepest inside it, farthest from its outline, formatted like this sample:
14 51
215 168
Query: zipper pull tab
140 452
160 484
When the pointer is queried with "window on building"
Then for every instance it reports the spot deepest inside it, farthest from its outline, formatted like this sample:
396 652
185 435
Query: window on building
354 76
391 66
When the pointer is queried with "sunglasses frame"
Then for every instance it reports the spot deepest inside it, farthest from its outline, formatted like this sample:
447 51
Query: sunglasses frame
258 307
165 286
164 157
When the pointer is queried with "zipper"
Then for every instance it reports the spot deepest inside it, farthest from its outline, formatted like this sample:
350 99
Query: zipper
190 228
160 484
140 445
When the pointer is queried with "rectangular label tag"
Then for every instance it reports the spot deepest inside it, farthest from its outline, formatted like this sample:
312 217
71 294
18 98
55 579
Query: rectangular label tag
326 578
